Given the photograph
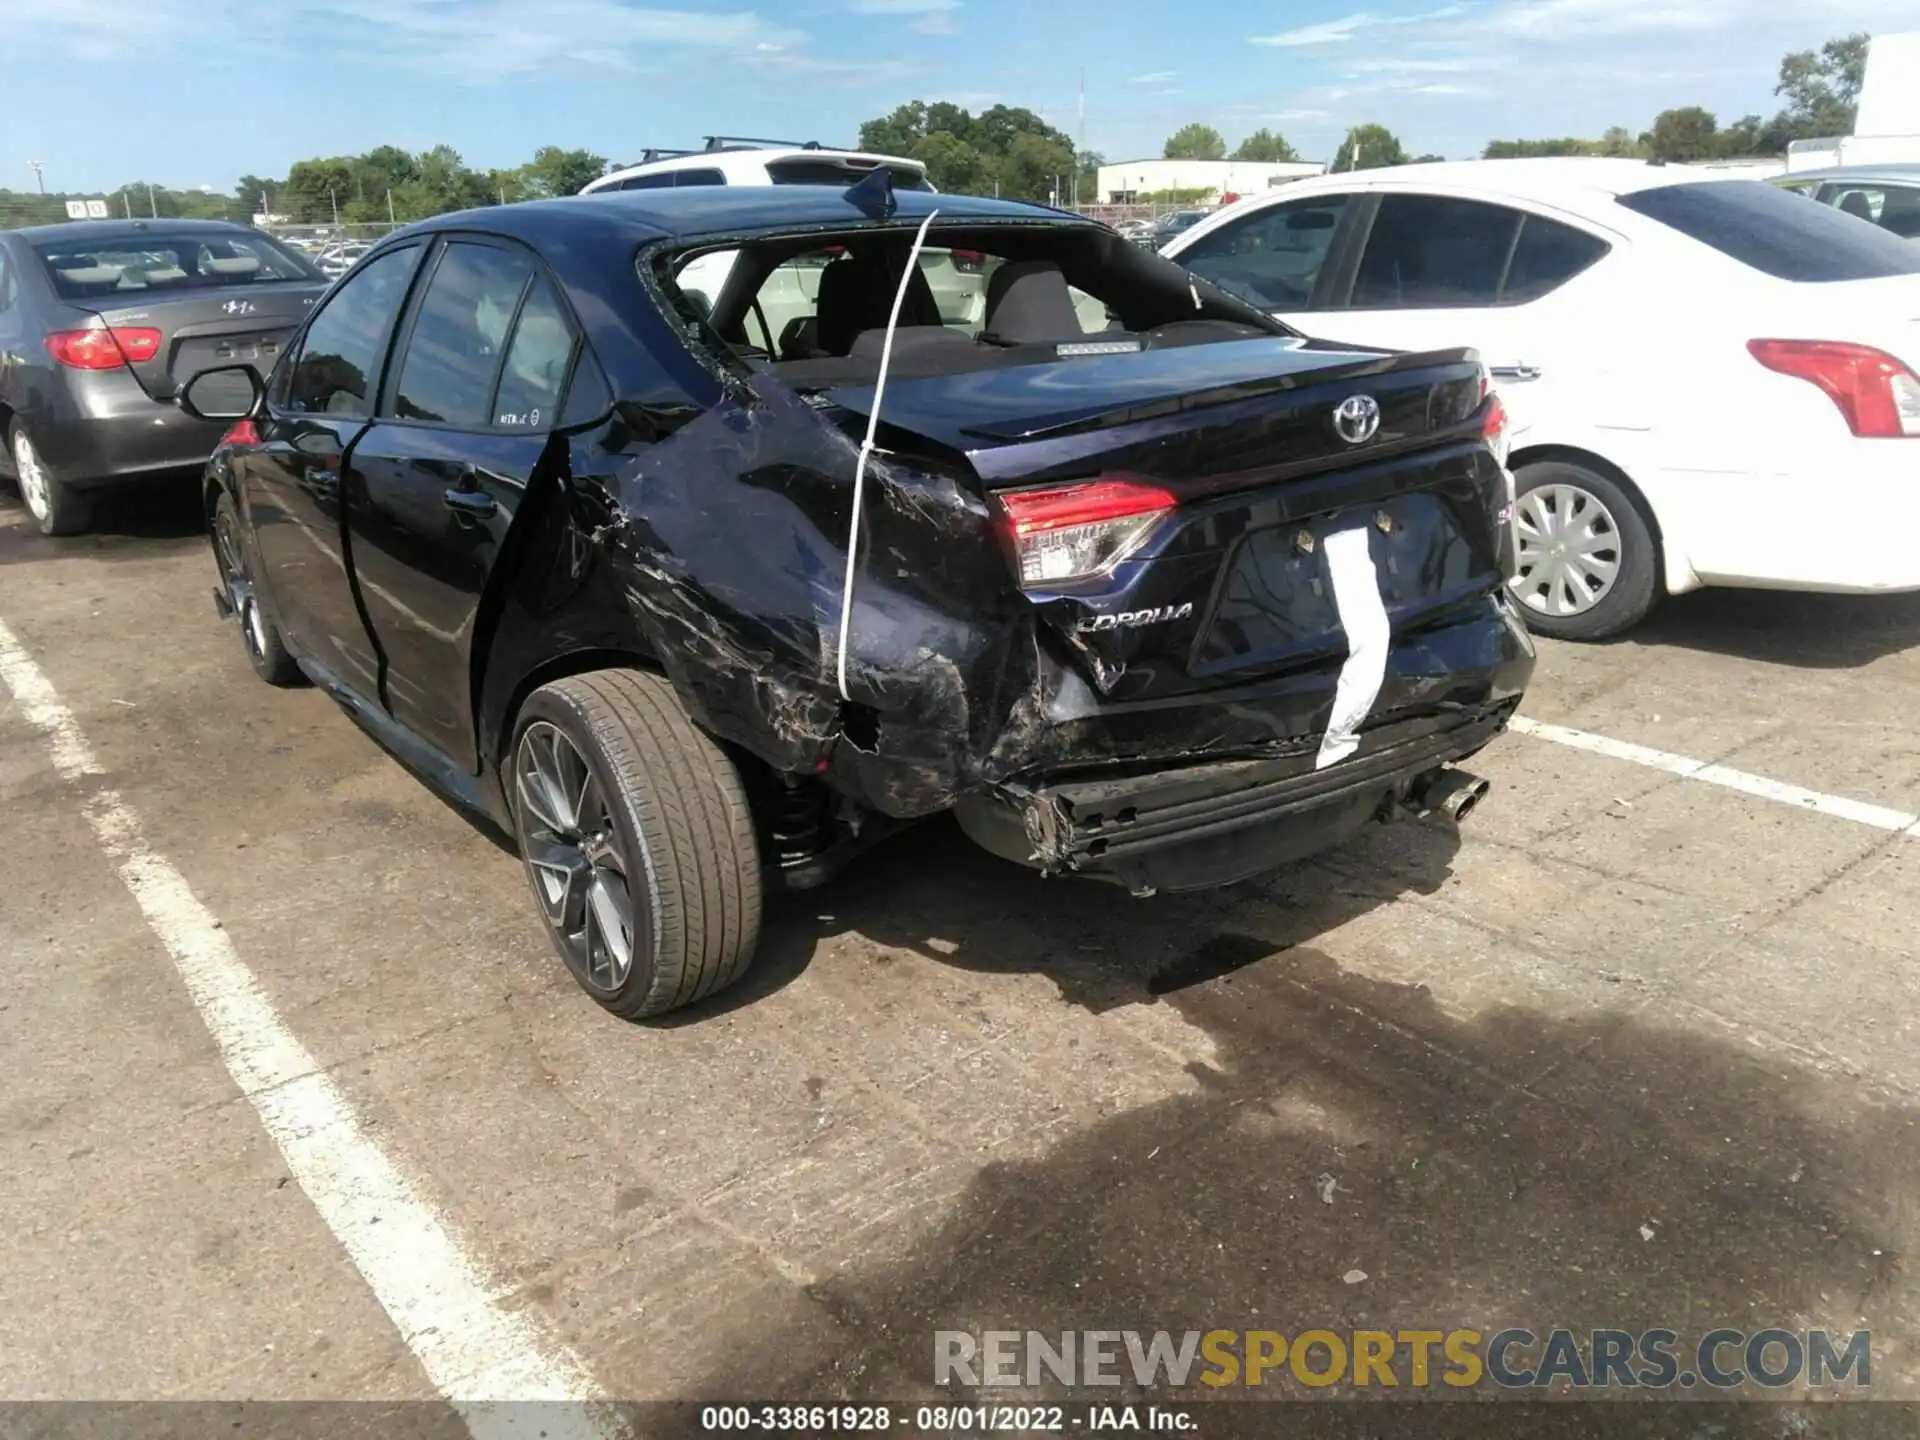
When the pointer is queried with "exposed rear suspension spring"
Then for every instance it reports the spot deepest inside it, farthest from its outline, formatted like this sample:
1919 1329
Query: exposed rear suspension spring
800 819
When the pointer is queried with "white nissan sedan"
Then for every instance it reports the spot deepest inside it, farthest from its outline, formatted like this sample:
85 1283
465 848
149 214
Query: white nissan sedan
1710 382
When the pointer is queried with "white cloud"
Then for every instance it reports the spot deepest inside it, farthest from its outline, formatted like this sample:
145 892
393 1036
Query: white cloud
1154 77
1425 65
1333 32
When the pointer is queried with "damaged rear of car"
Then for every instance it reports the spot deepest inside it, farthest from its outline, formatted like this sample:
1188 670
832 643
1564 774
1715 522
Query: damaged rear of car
983 510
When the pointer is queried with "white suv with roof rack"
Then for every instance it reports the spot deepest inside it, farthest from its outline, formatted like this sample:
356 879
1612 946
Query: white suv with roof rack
738 160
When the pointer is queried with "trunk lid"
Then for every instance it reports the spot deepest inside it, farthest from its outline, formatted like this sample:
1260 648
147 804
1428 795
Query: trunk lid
1883 312
1228 581
225 325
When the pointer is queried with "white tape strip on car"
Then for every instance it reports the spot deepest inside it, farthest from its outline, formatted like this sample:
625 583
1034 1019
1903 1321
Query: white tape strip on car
487 1359
1880 817
1356 594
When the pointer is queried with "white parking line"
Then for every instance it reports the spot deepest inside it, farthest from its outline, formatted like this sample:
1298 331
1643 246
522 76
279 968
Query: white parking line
481 1357
1880 817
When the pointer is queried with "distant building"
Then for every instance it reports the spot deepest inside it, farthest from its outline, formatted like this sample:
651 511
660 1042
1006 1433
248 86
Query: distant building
1137 181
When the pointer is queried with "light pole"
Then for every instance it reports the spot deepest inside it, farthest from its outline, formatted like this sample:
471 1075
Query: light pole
38 179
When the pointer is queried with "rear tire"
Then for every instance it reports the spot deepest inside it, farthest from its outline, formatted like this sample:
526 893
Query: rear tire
1589 566
638 842
56 507
259 632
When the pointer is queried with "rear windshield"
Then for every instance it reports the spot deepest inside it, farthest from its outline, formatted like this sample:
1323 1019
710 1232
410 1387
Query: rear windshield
159 261
814 308
1778 233
836 172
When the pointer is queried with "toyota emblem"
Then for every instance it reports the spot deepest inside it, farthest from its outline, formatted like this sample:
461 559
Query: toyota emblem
1357 418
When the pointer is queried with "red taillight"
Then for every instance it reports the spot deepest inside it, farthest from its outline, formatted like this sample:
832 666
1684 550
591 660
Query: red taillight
102 349
1493 425
1070 532
969 262
244 433
1877 394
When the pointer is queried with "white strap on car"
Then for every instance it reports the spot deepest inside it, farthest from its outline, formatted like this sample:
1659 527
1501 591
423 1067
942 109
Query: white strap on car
866 449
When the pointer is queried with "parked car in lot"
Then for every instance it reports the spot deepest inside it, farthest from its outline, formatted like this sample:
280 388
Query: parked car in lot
1167 603
1173 224
100 319
1888 195
732 160
1711 382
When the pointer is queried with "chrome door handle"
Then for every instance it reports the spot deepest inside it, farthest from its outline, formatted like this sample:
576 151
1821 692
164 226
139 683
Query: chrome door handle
478 503
1519 370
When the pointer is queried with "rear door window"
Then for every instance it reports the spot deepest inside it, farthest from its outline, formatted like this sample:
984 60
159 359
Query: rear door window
1273 257
6 285
535 371
1766 229
1434 252
454 351
1545 257
340 355
673 179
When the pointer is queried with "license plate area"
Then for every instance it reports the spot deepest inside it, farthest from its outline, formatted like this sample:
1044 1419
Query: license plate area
1277 603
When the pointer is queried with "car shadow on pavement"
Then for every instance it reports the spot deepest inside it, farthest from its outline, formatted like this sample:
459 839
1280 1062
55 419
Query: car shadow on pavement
922 890
1360 1154
1785 628
124 526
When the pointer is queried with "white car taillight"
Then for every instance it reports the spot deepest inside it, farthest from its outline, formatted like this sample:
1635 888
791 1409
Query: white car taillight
1074 532
1877 394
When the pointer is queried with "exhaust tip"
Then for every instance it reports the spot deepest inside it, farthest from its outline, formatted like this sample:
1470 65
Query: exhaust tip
1452 793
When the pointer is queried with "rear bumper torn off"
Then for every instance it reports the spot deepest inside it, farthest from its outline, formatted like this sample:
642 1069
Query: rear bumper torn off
1210 824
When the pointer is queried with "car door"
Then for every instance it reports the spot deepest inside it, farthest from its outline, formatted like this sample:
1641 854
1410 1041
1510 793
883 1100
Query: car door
291 483
1436 271
478 382
1279 257
11 342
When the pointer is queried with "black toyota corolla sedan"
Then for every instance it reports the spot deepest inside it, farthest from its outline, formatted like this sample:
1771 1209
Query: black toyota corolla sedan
100 319
700 540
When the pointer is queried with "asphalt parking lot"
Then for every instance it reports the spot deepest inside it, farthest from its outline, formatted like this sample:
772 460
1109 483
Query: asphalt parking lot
1633 1049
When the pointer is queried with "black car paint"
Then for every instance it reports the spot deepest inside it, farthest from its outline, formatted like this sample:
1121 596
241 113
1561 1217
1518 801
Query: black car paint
103 427
699 529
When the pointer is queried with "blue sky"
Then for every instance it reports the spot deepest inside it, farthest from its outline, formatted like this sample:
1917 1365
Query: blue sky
192 92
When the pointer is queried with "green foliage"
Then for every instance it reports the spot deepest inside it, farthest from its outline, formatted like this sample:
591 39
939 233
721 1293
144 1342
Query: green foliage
1007 147
1375 146
1529 149
1264 145
1822 89
1684 133
1195 142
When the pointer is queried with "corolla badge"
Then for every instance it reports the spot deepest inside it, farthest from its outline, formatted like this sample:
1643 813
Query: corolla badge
1357 419
238 307
1128 619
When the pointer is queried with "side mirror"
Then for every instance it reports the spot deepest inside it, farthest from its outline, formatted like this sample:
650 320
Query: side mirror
226 392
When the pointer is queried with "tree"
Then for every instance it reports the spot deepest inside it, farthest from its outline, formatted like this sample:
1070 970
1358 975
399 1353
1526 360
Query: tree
1005 145
1745 137
954 165
316 189
1427 159
1822 88
1619 142
257 196
1685 133
1265 146
1034 166
1088 187
554 171
1368 147
1195 142
1524 149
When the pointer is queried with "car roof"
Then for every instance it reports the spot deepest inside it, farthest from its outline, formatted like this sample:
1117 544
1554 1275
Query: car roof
1558 174
109 230
694 212
1898 170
